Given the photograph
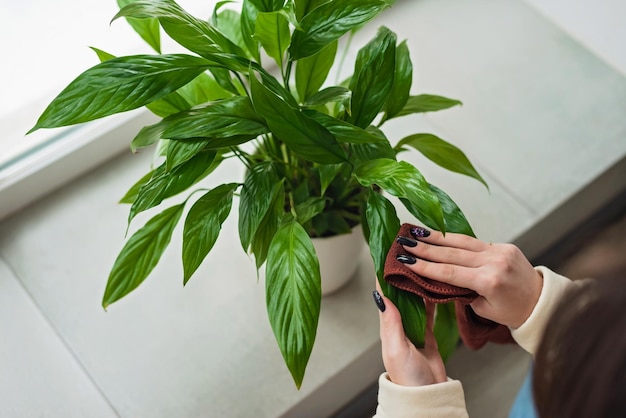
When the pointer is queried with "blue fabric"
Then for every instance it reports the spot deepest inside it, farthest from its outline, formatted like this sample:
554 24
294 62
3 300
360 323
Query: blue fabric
524 405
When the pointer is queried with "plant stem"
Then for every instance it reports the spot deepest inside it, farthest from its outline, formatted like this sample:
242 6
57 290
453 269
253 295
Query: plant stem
243 85
353 216
287 159
343 56
287 75
241 156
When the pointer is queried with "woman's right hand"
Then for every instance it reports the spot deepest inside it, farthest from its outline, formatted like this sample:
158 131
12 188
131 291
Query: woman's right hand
507 284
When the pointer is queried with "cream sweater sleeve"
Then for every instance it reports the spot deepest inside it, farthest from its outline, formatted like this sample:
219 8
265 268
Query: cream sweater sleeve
441 400
528 335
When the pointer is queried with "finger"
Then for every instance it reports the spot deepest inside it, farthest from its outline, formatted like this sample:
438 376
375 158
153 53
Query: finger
449 239
442 254
431 348
482 307
430 342
391 329
429 307
455 275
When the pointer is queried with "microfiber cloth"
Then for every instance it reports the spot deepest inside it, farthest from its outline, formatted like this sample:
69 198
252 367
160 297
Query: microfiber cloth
474 330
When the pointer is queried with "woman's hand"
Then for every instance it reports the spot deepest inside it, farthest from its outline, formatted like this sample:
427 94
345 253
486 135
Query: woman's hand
405 364
507 283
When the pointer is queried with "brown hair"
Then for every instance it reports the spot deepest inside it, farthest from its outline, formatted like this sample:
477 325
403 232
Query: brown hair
580 365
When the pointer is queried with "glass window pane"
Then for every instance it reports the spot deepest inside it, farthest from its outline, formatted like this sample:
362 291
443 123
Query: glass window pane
45 45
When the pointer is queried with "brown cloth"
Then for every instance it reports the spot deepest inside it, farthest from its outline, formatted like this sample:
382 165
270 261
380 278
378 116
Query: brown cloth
475 331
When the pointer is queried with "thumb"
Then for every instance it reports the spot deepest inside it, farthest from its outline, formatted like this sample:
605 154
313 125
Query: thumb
391 329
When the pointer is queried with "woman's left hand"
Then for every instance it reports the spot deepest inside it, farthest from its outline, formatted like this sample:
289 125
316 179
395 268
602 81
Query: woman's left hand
407 365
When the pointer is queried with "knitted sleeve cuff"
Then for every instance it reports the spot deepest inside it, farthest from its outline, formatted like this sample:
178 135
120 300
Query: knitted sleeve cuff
529 334
445 400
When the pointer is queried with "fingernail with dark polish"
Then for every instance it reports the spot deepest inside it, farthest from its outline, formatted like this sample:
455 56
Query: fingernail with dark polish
379 301
406 259
409 242
419 232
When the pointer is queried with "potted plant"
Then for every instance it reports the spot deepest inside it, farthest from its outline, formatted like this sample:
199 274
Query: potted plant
317 161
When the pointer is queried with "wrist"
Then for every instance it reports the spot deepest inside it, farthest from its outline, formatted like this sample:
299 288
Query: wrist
528 334
535 289
412 380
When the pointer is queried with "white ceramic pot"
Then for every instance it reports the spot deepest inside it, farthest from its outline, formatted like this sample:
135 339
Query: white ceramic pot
339 258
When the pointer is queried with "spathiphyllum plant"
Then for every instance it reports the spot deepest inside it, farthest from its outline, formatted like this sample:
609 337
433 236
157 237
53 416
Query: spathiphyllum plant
253 87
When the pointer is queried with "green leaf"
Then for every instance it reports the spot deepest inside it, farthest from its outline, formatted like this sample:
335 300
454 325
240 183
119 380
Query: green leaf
330 94
132 193
164 184
328 22
442 153
383 225
303 135
309 209
224 79
331 223
454 218
293 296
304 7
274 86
268 226
272 31
248 22
196 35
373 77
219 121
228 22
203 224
179 152
301 191
413 312
363 216
256 197
146 136
446 330
311 72
102 55
346 132
268 5
161 148
201 89
170 104
119 85
426 103
148 29
402 180
328 172
216 11
140 255
402 80
362 153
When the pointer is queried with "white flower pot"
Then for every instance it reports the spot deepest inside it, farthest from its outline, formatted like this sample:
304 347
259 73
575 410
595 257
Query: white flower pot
339 258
